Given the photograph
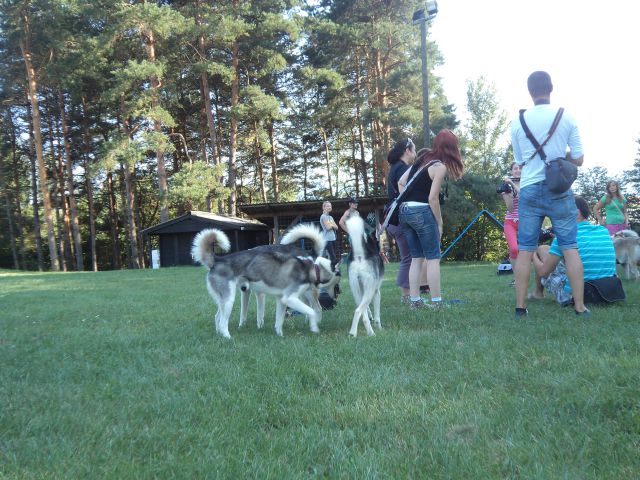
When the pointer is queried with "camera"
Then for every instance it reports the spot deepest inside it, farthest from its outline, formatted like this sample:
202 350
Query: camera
545 235
504 188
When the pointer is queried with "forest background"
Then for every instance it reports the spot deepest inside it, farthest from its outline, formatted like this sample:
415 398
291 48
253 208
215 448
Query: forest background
117 115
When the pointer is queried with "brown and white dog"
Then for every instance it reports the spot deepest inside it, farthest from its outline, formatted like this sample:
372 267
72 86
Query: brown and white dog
627 246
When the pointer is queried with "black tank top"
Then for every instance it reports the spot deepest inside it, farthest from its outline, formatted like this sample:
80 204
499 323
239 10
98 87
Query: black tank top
421 186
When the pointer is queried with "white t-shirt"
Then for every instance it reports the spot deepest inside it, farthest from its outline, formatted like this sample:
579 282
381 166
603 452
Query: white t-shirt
539 119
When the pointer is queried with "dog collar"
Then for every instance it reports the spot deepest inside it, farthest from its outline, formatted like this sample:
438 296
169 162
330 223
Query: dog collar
317 269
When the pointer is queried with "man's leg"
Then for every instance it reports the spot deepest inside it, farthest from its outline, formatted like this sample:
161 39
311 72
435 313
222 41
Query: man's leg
575 273
523 271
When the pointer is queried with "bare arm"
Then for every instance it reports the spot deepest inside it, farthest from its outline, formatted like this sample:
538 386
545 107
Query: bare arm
597 211
508 197
544 269
402 183
343 221
437 173
329 224
576 161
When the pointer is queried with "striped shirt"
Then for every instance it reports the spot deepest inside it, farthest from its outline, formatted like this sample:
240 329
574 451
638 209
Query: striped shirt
513 214
595 249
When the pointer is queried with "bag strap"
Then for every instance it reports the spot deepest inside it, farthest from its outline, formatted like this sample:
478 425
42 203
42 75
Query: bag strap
532 139
398 200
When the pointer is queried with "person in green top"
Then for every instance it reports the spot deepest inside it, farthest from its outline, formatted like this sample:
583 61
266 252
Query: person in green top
615 208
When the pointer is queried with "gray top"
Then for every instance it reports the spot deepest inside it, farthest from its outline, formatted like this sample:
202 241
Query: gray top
327 234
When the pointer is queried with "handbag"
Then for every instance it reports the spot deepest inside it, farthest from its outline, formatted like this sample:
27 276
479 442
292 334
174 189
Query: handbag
391 213
559 172
603 290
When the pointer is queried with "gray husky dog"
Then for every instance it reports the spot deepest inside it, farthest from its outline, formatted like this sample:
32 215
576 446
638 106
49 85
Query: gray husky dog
627 246
284 270
366 270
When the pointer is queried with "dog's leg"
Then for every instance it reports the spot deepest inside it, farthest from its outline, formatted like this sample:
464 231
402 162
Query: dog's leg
226 306
280 311
311 297
245 293
260 299
292 301
363 297
356 290
376 309
364 311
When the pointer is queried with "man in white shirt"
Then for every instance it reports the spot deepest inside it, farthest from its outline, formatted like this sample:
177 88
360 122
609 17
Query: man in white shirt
536 200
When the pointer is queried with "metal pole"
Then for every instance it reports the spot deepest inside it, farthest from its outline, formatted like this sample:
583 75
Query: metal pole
425 84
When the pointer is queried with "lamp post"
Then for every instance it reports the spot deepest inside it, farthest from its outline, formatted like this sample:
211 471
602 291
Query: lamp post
421 17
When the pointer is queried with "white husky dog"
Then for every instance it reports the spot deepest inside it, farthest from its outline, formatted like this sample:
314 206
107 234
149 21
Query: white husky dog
366 270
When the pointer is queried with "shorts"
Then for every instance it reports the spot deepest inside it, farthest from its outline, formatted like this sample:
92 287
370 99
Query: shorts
421 231
615 228
555 284
537 202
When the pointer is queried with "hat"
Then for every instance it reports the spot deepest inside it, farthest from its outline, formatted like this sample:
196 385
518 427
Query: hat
353 200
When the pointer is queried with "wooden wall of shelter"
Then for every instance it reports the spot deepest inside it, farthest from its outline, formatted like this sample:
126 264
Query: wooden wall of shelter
280 216
176 236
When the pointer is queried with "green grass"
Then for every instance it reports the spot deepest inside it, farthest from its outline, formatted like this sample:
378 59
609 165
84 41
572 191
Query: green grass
120 375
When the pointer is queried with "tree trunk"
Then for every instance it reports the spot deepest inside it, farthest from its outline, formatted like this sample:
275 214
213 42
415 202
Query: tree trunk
64 229
34 190
259 169
157 126
20 228
363 161
73 211
354 162
326 159
305 168
46 198
129 200
113 216
233 130
7 206
86 147
274 164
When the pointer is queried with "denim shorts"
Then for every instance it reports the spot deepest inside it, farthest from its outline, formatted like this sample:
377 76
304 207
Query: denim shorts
537 202
421 231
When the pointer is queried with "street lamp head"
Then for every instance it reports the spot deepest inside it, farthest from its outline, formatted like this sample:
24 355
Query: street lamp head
427 13
432 8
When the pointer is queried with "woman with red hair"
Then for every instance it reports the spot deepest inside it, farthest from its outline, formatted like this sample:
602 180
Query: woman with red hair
420 215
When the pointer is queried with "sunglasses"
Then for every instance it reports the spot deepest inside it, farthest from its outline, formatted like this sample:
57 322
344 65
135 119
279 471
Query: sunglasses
409 143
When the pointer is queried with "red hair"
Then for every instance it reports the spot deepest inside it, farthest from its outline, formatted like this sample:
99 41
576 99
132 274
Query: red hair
447 150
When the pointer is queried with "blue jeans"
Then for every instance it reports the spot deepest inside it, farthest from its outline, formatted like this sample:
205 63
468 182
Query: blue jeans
537 202
421 231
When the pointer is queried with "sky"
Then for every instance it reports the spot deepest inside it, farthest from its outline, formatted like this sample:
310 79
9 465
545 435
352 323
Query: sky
589 48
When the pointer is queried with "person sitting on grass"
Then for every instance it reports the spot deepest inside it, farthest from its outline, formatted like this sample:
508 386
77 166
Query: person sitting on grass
596 252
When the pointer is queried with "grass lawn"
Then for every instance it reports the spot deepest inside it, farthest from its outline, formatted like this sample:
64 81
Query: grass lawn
120 375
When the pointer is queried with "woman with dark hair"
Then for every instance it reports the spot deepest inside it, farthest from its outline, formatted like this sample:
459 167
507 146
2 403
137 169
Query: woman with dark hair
420 215
400 157
615 209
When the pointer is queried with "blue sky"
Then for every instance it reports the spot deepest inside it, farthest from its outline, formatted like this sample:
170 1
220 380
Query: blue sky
588 48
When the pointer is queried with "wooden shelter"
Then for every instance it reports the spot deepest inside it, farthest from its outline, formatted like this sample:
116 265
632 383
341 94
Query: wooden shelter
175 236
280 216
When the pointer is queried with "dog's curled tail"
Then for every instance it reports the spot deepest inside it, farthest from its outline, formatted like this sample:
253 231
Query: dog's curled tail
205 244
355 227
308 232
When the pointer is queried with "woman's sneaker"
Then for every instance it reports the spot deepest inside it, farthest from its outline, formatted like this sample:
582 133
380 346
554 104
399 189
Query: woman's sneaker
419 304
